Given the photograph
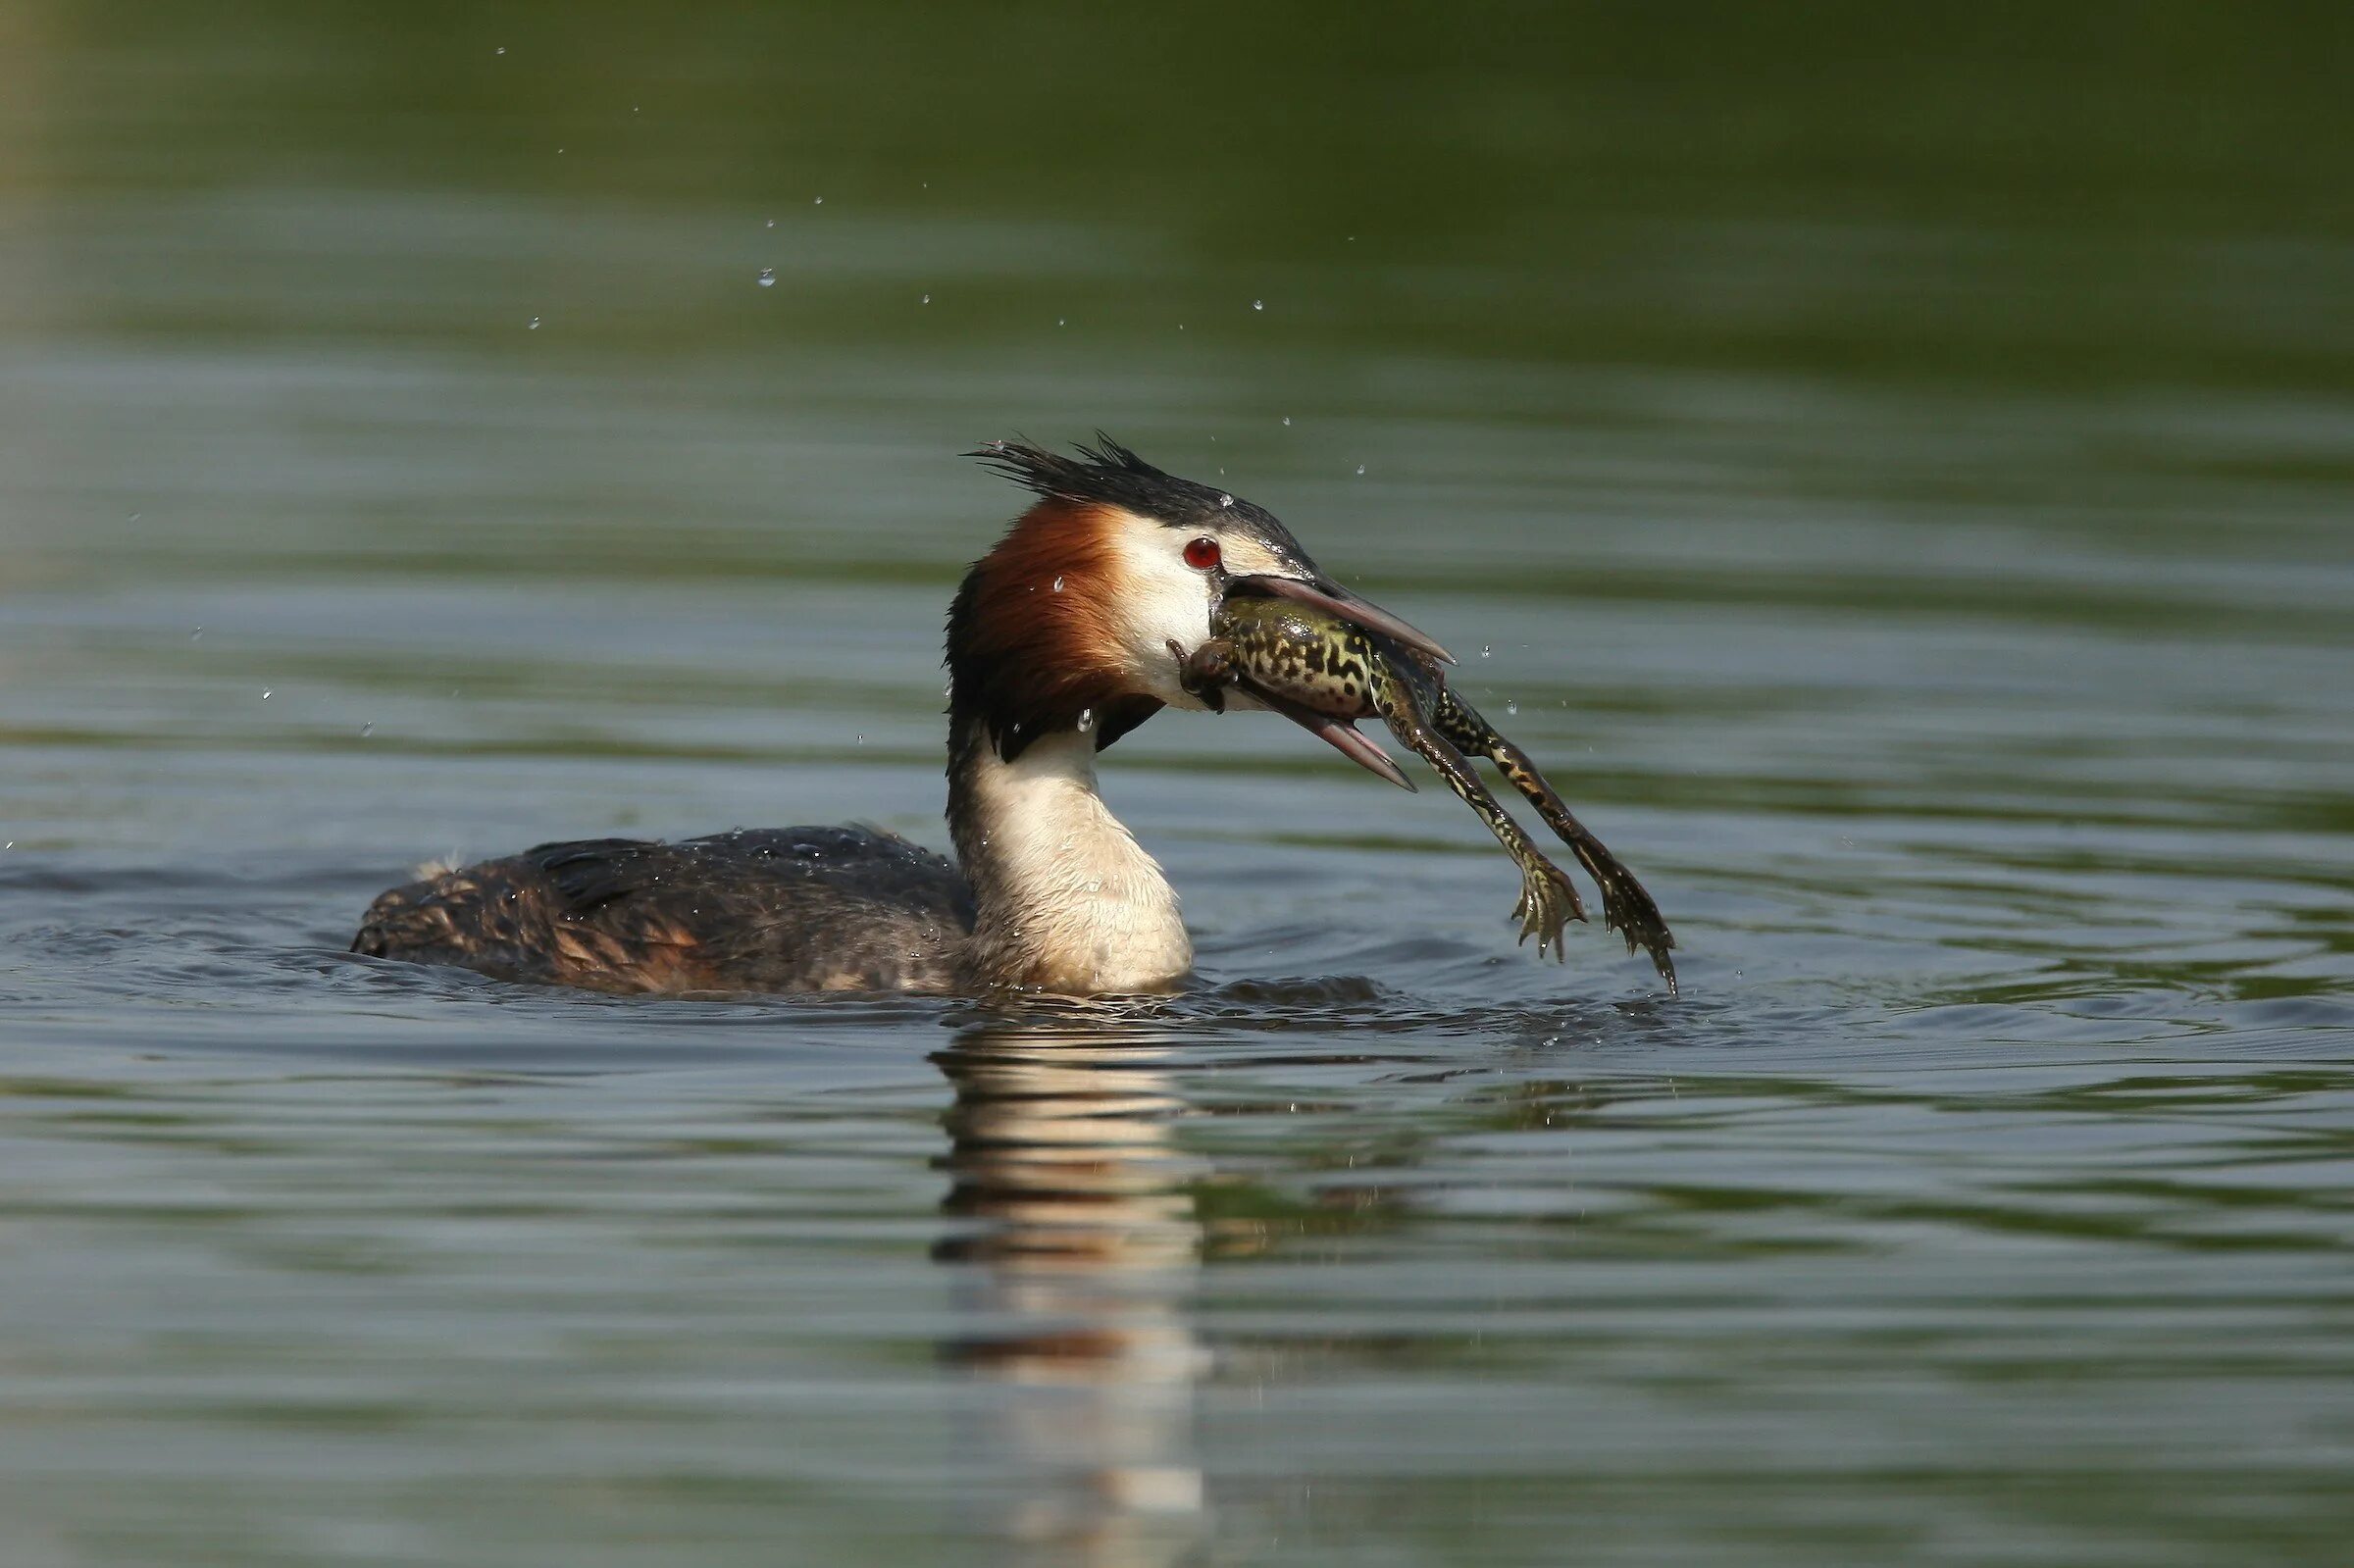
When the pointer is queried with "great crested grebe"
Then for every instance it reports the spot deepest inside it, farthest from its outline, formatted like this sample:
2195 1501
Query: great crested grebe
1061 640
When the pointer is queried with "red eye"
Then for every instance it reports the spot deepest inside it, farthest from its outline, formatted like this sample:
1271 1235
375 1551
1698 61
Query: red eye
1201 554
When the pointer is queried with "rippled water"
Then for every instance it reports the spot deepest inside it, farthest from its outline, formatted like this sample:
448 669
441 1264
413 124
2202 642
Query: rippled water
1924 554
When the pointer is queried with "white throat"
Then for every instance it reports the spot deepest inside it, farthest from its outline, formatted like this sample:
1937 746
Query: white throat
1068 900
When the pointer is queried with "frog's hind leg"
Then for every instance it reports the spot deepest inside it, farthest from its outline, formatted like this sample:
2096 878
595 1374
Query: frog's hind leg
1548 899
1627 908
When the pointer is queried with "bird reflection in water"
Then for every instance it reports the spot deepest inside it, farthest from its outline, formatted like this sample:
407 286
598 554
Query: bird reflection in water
1079 1247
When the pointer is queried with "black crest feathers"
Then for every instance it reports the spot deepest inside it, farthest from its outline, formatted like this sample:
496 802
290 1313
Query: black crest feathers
1108 474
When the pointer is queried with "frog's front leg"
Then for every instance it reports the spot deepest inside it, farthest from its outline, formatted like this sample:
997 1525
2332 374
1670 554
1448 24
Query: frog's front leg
1206 671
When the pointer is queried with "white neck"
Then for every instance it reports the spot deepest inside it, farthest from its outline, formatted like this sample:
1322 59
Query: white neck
1068 900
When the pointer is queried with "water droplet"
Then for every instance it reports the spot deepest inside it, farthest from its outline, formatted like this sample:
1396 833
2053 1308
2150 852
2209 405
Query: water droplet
1063 320
1259 304
1223 498
1058 584
768 278
1094 885
862 741
772 223
927 300
1486 652
266 696
948 688
1511 707
820 202
1360 468
1180 326
534 324
502 51
1287 422
1087 720
135 516
367 729
196 635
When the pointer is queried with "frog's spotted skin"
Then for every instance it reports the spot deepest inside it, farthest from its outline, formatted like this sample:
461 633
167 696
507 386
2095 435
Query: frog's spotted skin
1325 673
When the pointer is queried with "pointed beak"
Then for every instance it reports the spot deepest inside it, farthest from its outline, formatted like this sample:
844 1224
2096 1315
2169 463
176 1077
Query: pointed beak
1330 597
1342 734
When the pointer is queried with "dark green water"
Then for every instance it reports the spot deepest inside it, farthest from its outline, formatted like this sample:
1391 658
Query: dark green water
1899 464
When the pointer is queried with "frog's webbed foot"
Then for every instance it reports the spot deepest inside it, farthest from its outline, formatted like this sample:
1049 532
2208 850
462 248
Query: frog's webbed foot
1548 903
1206 671
1627 909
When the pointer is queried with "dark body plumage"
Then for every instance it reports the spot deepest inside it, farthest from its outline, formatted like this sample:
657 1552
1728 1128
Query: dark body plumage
781 909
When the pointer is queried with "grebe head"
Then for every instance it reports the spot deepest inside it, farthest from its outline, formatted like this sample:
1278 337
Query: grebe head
1068 623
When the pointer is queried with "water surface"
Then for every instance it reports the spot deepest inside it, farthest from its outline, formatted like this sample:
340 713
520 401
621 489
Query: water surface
1896 479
